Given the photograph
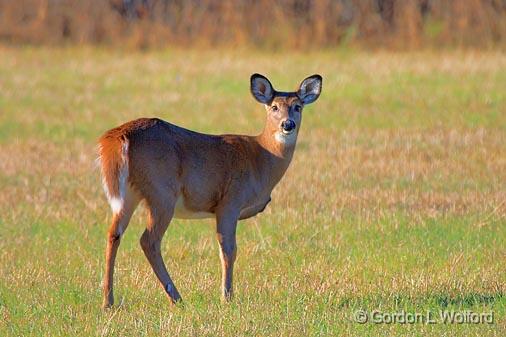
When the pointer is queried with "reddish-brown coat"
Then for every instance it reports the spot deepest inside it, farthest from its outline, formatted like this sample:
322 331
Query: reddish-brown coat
183 173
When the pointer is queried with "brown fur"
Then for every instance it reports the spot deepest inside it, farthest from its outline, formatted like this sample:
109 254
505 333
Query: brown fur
110 148
229 177
209 168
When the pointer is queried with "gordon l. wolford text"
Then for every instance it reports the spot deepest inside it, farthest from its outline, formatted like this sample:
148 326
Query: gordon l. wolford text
427 317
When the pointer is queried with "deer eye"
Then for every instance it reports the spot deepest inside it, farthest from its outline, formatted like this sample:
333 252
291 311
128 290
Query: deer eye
274 108
297 108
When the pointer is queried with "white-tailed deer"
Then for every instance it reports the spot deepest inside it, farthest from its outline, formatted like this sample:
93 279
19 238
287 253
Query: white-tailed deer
184 174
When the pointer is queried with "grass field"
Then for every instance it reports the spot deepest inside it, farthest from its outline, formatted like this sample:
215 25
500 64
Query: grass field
395 200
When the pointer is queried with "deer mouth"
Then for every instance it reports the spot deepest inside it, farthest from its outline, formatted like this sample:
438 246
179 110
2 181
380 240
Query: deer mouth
287 132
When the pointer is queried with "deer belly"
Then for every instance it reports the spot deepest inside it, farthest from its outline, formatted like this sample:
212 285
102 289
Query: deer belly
248 212
181 212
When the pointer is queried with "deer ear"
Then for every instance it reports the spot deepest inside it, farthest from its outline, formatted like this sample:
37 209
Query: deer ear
261 88
310 89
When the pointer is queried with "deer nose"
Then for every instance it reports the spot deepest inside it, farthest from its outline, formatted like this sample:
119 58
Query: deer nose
288 125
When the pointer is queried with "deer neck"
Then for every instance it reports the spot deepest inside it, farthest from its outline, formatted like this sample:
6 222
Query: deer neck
276 151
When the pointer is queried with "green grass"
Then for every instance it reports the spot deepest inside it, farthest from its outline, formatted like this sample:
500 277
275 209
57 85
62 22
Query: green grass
395 199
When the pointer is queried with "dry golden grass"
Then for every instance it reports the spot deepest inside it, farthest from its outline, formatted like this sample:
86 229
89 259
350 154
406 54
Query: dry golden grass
395 199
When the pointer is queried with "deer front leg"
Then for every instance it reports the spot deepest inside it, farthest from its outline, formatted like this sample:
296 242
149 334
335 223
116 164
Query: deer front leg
225 230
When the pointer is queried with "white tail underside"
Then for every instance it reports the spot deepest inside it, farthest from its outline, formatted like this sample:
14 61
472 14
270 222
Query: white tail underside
117 200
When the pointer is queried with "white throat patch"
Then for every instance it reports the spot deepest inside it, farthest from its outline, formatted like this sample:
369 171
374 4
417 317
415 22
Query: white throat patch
284 138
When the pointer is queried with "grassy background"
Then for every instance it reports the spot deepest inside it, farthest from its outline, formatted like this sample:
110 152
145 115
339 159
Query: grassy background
395 198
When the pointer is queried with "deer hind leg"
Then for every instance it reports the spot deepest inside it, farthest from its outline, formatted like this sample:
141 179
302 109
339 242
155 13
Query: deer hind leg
120 221
160 215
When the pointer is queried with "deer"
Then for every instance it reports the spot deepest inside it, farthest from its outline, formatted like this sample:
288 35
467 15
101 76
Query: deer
179 173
